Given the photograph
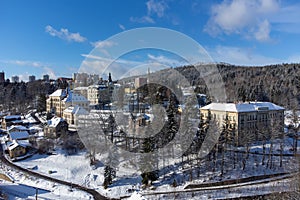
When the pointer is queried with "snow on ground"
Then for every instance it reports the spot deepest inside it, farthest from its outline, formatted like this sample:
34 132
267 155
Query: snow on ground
24 187
76 169
73 168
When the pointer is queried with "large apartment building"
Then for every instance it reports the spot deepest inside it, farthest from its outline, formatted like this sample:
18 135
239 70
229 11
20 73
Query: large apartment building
252 121
64 98
99 94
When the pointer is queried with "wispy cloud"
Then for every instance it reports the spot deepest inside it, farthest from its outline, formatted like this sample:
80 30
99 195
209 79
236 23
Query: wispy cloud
121 26
142 20
165 60
240 56
50 72
154 9
103 44
23 63
64 34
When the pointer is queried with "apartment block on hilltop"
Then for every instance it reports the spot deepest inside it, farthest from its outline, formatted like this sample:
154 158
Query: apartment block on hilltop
252 121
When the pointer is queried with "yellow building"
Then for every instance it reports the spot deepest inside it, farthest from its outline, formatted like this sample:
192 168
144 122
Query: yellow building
71 113
252 120
62 99
16 149
98 94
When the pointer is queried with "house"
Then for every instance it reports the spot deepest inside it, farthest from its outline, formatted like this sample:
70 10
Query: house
17 128
55 127
71 114
17 148
11 120
251 121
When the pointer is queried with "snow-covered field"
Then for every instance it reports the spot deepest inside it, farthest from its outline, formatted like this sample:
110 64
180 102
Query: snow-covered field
24 187
76 169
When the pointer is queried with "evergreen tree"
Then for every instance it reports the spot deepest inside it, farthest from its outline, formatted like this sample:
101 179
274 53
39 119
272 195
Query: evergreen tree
109 175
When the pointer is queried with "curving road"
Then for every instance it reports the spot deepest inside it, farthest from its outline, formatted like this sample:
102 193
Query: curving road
94 193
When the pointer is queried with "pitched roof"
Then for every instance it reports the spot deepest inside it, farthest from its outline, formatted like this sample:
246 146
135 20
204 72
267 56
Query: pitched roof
58 93
16 143
55 121
18 135
18 127
77 110
242 107
74 97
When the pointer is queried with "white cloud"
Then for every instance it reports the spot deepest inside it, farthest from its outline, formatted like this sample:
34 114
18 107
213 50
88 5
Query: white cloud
50 72
64 34
248 18
154 8
103 44
121 26
263 32
165 60
240 56
142 20
23 63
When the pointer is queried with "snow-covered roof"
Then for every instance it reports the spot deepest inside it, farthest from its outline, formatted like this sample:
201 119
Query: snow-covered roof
58 93
74 97
80 88
19 135
242 107
12 117
77 110
55 121
16 143
20 128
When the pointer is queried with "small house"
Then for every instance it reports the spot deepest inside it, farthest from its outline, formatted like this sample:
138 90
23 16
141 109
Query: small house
56 127
16 149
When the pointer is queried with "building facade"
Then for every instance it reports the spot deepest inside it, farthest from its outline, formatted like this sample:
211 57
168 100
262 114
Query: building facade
98 94
2 77
15 79
31 78
250 121
46 78
64 98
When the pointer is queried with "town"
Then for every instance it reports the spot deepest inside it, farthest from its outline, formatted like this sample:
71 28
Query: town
53 133
149 100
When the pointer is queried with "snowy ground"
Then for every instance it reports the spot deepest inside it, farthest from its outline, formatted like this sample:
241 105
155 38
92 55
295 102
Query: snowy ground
76 169
24 187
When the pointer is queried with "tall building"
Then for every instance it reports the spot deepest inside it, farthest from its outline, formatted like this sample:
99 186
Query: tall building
2 77
46 78
251 121
140 81
98 94
31 78
84 79
15 79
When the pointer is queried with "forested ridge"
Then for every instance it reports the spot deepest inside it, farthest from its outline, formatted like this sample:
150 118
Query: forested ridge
275 83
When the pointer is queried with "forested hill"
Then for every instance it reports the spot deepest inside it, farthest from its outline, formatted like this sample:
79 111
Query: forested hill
276 83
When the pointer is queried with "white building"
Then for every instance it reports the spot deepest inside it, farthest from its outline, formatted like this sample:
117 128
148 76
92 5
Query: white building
252 120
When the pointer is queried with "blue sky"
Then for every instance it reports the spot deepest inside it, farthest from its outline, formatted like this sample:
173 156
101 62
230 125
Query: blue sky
54 37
